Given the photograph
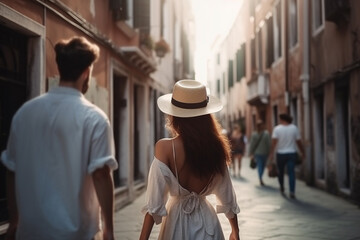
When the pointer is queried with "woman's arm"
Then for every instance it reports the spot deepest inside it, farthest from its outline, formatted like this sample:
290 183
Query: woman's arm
234 228
147 227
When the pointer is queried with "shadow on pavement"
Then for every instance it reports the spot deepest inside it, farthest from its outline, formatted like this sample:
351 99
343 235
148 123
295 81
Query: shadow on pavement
267 188
239 179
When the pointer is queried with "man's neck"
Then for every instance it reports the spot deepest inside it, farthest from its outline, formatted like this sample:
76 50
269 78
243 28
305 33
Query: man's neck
69 84
284 123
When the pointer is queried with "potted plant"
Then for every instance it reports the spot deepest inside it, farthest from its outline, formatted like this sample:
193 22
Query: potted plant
146 41
161 48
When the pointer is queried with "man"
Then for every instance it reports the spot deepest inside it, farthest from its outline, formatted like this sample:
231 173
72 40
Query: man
285 137
59 156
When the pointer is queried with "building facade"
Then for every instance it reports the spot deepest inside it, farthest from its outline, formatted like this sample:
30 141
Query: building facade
127 79
301 57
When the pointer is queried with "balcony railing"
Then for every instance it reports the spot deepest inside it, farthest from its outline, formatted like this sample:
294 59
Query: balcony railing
258 90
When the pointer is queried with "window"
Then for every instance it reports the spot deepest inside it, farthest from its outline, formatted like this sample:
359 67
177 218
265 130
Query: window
141 15
269 42
293 23
294 111
259 52
277 31
224 80
252 8
253 59
240 63
218 87
120 10
317 15
275 115
231 73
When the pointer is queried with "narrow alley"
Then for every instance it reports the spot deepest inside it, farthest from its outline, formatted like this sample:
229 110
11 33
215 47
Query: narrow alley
266 214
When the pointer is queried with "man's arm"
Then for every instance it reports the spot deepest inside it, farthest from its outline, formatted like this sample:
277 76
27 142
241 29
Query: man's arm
104 187
301 147
12 205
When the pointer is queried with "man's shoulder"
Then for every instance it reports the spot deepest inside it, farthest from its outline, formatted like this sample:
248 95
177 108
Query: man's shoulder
278 127
93 112
29 105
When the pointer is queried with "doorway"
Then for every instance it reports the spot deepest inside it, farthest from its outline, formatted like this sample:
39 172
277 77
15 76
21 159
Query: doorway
342 134
141 138
319 137
121 129
13 93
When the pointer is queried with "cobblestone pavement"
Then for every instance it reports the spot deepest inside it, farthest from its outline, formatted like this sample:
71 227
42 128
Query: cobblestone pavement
266 214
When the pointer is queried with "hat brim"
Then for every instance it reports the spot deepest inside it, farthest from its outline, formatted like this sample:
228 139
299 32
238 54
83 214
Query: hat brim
165 105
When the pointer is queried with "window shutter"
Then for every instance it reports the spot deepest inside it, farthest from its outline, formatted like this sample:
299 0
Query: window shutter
270 43
231 73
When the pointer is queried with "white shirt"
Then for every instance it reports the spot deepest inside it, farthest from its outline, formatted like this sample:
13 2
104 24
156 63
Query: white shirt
286 136
56 141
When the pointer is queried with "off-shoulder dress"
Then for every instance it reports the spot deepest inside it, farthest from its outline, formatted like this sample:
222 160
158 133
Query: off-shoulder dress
185 214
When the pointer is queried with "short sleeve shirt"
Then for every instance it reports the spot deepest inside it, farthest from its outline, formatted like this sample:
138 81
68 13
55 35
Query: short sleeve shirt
56 141
287 135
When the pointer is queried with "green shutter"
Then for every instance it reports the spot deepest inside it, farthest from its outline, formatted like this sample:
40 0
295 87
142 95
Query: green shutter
231 73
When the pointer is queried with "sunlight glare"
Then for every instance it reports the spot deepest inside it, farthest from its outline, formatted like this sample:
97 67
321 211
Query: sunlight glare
213 19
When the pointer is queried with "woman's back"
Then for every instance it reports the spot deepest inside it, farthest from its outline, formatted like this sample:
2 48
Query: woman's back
187 179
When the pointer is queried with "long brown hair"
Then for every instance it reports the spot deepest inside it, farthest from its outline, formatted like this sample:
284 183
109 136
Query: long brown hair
207 150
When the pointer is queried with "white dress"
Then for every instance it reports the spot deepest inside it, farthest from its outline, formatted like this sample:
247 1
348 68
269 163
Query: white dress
184 214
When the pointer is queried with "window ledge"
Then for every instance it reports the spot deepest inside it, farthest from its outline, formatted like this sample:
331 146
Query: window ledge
295 47
317 31
125 28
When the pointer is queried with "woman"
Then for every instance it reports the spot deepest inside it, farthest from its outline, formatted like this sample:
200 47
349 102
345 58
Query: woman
260 148
237 140
189 167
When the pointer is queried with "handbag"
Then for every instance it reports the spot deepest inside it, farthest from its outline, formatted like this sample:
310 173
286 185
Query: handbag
272 170
253 163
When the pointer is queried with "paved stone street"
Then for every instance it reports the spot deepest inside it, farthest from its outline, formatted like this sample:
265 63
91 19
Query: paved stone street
266 214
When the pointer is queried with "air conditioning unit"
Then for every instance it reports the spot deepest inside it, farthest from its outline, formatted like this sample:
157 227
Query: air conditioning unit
337 11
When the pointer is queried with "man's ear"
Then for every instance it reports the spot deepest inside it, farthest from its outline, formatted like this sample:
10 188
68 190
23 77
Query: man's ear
86 73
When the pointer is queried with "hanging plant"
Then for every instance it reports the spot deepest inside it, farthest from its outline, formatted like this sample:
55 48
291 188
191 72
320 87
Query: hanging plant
146 40
161 48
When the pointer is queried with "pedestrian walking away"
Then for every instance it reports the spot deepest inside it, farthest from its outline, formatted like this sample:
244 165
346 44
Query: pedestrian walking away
189 167
285 138
260 148
60 156
237 140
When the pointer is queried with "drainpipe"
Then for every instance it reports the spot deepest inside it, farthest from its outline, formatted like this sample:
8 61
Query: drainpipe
305 77
286 57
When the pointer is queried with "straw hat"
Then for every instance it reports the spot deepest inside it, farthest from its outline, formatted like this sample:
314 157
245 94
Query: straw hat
189 99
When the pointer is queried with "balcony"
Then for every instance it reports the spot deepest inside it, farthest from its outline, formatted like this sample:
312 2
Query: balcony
258 90
337 11
138 59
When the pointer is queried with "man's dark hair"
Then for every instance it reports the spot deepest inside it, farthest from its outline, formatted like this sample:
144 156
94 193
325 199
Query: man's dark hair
73 56
286 117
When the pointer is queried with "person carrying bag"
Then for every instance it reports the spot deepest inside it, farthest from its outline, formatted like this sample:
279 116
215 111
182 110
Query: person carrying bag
259 149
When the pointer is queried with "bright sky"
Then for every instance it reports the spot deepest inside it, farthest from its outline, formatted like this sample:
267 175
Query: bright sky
213 18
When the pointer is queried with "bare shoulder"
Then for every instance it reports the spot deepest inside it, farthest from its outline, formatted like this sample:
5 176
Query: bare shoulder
163 150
